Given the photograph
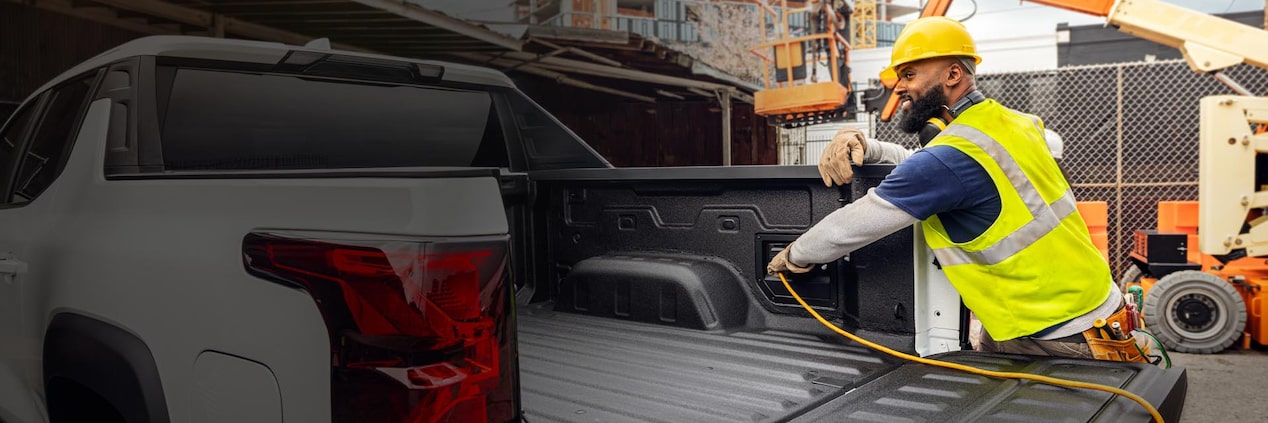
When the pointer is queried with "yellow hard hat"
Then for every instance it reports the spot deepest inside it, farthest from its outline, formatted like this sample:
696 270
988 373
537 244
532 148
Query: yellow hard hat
928 37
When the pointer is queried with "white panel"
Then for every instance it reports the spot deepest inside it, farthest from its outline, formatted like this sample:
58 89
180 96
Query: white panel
163 260
1227 169
230 389
18 402
937 305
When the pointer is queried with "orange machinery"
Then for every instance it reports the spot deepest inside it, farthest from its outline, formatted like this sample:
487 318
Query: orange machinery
790 98
1196 302
1096 217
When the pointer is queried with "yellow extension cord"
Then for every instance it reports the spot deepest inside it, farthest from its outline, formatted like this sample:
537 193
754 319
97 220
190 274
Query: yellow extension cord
988 373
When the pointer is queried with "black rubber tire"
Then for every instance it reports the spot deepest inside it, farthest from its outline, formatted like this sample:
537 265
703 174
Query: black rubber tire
1132 274
1195 312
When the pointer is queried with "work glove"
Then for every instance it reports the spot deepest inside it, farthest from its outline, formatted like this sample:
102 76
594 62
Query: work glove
847 146
780 263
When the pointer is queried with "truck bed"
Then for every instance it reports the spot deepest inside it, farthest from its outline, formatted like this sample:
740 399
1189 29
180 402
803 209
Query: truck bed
577 368
584 368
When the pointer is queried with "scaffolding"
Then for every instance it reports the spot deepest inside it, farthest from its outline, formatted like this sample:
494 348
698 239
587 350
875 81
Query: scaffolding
863 24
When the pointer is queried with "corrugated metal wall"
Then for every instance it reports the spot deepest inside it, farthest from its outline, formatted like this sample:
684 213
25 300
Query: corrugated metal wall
37 45
668 133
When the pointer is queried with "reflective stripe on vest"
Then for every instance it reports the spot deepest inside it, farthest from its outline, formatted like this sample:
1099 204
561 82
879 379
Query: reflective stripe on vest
1045 217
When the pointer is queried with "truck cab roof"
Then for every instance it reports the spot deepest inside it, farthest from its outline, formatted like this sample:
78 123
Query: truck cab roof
259 52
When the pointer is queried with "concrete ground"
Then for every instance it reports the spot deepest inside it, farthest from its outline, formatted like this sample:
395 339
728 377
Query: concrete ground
1228 387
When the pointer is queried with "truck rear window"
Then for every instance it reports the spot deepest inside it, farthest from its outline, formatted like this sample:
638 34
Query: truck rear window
228 120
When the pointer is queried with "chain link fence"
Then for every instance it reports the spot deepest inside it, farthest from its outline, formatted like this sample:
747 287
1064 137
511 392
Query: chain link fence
1130 132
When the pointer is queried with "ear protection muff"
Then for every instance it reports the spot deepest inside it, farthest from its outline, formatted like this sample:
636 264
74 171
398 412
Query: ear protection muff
933 127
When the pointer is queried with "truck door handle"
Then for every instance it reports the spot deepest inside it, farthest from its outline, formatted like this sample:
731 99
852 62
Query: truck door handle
12 266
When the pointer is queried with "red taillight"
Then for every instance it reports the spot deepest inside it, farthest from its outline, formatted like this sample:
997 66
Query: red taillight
419 330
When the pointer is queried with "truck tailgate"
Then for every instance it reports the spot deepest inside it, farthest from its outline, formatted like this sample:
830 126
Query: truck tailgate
577 368
919 392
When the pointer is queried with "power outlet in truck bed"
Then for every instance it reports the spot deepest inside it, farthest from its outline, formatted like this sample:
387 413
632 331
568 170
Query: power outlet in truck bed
817 287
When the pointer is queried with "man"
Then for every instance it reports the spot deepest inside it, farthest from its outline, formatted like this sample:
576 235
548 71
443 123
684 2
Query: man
991 201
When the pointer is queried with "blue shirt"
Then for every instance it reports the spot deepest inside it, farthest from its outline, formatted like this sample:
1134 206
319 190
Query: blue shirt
943 181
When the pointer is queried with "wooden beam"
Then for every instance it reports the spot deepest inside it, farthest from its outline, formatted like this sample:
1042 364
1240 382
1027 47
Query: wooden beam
737 95
353 31
581 52
330 21
174 28
539 57
302 13
461 45
605 46
245 3
96 14
163 9
670 95
206 20
724 98
555 76
701 92
122 14
579 34
595 69
416 12
566 65
252 30
218 26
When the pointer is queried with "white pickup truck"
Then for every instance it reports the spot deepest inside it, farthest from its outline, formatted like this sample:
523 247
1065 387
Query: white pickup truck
204 230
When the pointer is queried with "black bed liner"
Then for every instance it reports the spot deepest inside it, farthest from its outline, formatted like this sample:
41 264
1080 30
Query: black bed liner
918 392
579 368
584 368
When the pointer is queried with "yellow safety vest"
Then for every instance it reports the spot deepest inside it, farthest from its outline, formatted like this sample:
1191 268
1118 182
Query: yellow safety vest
1035 266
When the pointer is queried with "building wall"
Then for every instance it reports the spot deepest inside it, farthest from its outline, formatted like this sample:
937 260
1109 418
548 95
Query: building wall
1097 44
37 45
669 133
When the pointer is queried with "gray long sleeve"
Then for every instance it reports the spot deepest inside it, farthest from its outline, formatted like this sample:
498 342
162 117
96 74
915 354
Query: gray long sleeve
881 152
849 228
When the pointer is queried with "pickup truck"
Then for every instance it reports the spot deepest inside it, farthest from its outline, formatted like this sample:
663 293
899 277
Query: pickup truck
207 230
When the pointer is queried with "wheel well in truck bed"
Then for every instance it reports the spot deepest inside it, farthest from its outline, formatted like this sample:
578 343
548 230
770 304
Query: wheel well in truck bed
679 247
669 289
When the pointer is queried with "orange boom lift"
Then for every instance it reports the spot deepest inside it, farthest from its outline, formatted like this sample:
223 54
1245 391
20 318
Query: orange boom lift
791 98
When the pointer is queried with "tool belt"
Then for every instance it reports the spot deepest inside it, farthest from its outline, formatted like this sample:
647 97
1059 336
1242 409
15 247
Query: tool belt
1108 344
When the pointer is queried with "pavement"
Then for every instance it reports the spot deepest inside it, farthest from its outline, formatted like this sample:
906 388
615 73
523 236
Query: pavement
1228 387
